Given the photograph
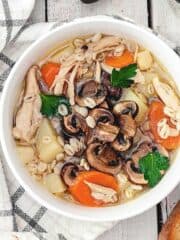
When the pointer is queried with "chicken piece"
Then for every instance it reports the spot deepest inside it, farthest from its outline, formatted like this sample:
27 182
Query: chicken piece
28 115
166 93
100 192
60 79
106 42
70 90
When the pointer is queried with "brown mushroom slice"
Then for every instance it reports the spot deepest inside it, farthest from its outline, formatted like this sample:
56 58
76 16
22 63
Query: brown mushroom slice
90 91
102 115
127 125
74 123
87 89
104 105
103 132
127 108
114 93
143 149
69 173
122 143
135 177
103 158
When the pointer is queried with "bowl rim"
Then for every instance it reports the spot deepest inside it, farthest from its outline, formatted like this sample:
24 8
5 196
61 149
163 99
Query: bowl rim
133 211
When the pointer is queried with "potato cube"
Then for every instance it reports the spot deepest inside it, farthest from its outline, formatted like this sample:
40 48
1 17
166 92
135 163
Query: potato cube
46 142
144 60
54 183
26 153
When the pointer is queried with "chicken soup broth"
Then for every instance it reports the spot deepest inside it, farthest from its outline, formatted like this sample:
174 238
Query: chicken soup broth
97 120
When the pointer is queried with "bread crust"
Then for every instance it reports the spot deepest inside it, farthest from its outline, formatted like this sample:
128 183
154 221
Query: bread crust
171 229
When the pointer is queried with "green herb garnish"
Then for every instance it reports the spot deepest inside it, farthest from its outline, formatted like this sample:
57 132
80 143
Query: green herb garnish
151 165
50 104
122 77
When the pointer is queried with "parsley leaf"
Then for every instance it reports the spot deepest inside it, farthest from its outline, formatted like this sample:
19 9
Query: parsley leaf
151 165
50 104
122 77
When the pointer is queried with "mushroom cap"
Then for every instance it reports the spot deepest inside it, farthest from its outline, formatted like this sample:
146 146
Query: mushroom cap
74 123
102 115
69 172
143 149
134 176
122 143
90 89
114 93
127 125
104 132
103 158
126 107
104 105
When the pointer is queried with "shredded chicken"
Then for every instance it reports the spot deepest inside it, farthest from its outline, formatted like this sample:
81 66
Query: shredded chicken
166 93
98 72
70 91
106 42
60 79
106 194
28 116
165 131
174 116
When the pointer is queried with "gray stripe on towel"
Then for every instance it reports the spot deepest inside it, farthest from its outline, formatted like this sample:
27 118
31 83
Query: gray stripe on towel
8 17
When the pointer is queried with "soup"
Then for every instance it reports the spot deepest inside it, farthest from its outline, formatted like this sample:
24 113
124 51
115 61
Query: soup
97 120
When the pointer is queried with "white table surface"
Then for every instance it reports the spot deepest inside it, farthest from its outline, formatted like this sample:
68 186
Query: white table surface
163 16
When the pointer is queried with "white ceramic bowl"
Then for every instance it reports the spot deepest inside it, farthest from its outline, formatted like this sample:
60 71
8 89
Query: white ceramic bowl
83 26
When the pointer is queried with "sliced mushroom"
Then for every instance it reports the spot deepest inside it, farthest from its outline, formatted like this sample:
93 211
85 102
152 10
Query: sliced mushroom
126 108
103 132
114 94
103 158
127 125
102 115
74 123
122 143
90 90
104 105
142 151
69 173
134 175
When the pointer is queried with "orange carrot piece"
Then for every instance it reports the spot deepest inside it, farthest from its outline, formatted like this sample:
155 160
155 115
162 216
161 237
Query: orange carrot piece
120 61
156 113
49 71
82 193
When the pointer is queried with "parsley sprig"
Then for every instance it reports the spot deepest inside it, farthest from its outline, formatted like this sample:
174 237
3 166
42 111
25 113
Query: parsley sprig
50 104
123 77
151 165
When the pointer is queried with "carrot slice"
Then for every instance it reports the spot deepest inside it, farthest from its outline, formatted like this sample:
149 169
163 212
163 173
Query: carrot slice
120 61
156 113
49 71
82 193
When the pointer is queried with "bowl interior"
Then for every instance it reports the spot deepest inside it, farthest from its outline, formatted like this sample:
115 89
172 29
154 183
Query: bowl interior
11 91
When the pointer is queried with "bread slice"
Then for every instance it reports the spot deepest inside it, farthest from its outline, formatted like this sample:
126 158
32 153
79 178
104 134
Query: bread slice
171 229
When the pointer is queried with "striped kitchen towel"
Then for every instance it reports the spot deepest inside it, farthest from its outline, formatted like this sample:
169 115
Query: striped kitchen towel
20 216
